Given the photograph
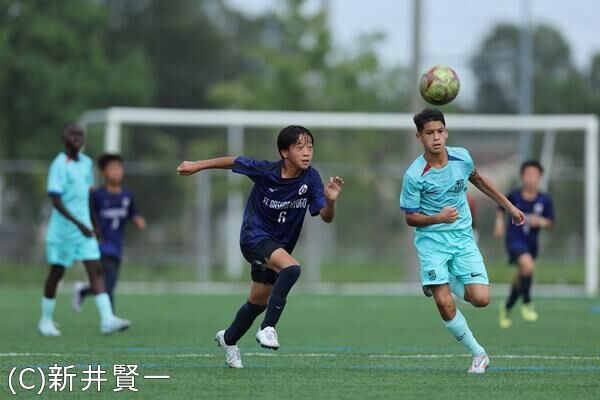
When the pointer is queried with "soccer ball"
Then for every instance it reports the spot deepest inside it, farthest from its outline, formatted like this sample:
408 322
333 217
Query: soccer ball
439 85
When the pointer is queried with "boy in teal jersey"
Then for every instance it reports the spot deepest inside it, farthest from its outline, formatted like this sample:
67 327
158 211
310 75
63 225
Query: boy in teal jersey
435 201
70 236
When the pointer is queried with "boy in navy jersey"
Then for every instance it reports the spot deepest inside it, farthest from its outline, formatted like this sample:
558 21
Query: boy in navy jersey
282 192
522 241
113 206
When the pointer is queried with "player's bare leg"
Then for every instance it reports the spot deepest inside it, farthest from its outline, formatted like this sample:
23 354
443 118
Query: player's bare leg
456 323
477 294
289 272
227 339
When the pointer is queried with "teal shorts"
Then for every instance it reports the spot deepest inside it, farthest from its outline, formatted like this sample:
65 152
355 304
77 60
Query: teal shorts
65 254
450 252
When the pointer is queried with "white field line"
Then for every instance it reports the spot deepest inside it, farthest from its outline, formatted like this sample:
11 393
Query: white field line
328 288
319 355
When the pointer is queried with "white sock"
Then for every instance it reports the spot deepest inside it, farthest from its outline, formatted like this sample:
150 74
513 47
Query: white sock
461 332
48 306
104 307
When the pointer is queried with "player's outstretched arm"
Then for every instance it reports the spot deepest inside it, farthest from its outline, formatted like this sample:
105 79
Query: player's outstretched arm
489 189
332 191
59 205
191 167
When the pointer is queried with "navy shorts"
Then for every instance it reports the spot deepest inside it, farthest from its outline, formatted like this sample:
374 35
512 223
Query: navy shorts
257 255
514 252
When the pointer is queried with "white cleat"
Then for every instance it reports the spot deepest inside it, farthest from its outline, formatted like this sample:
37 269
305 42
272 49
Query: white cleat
77 301
479 364
115 324
267 338
232 353
47 327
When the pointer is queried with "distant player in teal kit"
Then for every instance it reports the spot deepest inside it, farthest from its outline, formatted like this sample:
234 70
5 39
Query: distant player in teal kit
70 236
435 201
282 193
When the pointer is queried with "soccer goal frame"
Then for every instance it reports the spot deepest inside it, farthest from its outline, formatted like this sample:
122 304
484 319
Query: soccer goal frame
235 122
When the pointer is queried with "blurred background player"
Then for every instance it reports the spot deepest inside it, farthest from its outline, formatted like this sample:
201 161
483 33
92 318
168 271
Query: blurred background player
282 192
70 237
522 241
112 206
434 199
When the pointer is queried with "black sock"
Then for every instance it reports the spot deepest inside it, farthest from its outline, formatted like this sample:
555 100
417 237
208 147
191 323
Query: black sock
85 292
282 287
526 288
242 322
515 292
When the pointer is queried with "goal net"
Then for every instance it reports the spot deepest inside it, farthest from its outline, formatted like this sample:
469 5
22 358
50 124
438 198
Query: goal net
195 221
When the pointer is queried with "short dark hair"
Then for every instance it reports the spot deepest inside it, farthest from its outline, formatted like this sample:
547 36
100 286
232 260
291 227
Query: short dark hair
106 159
290 135
532 163
428 115
71 126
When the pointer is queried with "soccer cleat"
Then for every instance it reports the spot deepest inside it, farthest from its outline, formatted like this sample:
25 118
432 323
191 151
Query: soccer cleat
232 353
427 291
528 313
504 319
114 324
77 301
47 327
267 338
479 364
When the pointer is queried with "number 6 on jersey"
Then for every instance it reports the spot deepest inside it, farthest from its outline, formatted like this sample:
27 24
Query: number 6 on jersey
281 218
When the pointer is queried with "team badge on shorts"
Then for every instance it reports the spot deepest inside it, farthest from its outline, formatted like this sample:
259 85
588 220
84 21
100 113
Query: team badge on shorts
431 275
303 189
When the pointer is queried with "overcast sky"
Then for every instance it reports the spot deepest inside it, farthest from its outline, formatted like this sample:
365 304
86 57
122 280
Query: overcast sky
452 30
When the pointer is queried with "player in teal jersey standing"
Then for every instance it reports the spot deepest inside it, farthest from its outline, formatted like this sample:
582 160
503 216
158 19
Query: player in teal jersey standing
70 235
435 201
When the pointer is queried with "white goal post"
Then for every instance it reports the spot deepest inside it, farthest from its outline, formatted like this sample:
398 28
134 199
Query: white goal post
236 121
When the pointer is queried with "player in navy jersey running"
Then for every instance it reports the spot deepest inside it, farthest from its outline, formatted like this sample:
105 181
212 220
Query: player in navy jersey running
282 192
522 241
113 206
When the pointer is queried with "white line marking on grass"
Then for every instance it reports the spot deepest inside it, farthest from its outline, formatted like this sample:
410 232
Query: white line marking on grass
535 356
507 356
316 355
31 354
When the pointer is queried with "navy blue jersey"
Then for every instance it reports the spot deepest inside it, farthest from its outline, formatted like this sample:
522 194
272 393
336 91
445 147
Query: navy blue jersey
524 238
276 206
112 211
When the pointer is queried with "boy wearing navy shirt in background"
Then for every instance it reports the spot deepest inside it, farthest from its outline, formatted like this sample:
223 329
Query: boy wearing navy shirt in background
522 241
113 206
282 192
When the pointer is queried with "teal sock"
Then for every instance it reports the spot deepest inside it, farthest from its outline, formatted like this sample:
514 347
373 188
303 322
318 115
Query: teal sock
48 308
456 287
104 307
459 328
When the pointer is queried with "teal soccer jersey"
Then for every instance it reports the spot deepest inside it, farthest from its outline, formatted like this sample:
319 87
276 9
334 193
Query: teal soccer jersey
427 190
72 181
444 248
